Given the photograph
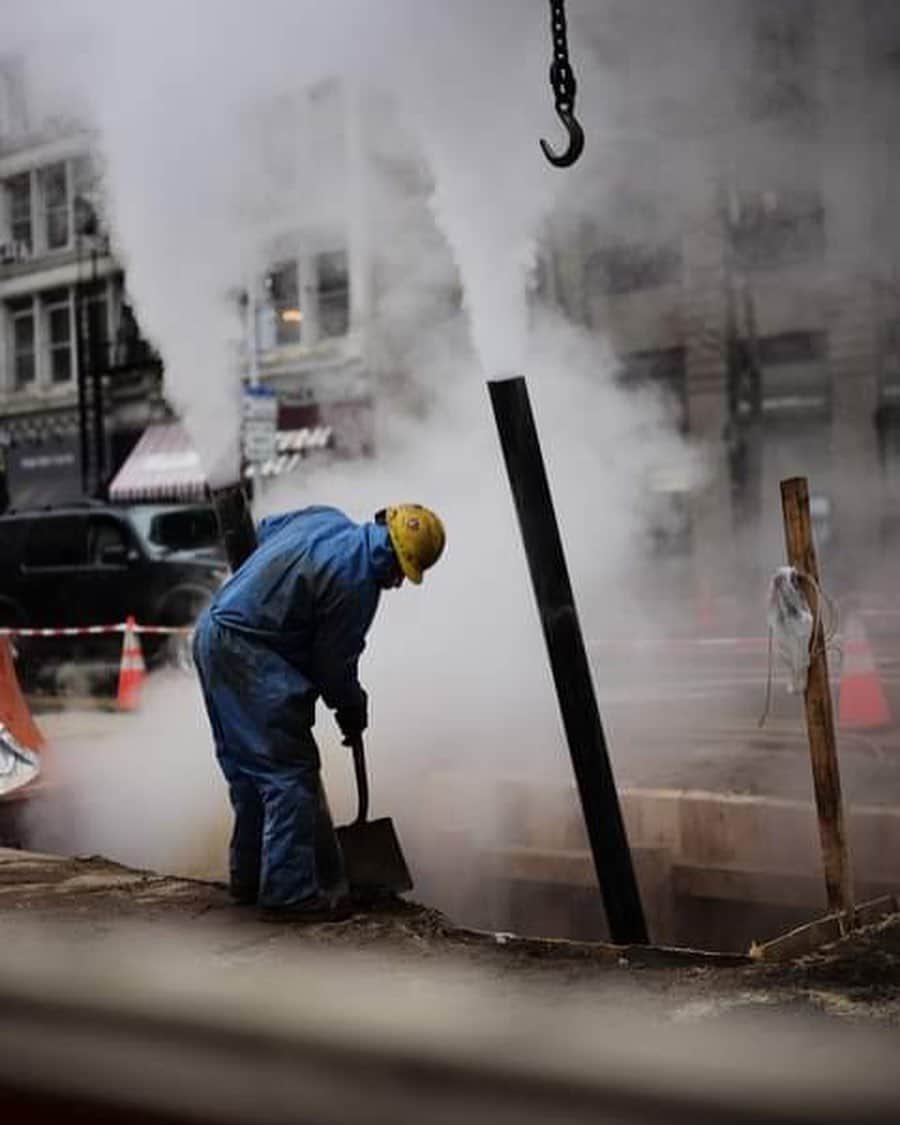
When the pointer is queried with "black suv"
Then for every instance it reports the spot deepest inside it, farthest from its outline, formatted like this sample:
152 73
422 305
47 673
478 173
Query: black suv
96 564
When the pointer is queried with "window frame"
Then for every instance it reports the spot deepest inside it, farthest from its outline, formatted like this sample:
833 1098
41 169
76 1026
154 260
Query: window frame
53 303
287 334
777 230
313 298
15 315
27 216
325 295
789 354
44 209
622 268
61 208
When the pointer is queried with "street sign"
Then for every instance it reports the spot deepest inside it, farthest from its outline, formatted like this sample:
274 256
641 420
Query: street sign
259 431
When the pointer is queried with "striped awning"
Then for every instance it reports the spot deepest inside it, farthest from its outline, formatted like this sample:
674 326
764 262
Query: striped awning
162 466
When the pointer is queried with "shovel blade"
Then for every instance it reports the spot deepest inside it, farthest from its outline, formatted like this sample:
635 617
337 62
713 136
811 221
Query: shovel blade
373 859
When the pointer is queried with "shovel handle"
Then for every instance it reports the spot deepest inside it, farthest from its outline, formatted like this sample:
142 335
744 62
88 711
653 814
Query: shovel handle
362 780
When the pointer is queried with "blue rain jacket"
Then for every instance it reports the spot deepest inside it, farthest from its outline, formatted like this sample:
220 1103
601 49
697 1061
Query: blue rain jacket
288 627
309 594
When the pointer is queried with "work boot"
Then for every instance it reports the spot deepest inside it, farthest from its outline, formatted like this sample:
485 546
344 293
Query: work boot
243 898
316 910
242 894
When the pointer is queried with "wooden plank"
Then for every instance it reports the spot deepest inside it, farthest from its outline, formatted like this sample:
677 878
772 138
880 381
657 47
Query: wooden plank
823 931
801 554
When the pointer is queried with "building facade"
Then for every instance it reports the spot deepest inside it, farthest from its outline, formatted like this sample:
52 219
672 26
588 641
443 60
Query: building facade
77 382
737 243
749 262
306 305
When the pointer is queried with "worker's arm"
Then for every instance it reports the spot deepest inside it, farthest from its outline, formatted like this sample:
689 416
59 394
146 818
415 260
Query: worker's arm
338 644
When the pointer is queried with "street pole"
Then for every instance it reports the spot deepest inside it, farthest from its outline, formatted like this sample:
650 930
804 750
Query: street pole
235 523
81 363
97 368
568 661
801 554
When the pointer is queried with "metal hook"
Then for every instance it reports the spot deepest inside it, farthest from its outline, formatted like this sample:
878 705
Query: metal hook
576 142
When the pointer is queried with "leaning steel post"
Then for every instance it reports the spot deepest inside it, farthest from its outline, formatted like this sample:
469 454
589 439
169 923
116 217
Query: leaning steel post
568 660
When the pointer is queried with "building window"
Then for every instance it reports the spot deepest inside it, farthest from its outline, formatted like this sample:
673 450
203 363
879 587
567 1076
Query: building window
85 191
283 293
21 314
627 268
883 37
333 288
58 313
771 229
58 310
305 301
18 194
47 207
55 191
783 75
794 373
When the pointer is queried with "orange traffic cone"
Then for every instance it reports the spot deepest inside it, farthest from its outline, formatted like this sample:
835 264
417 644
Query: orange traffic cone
863 704
14 711
132 670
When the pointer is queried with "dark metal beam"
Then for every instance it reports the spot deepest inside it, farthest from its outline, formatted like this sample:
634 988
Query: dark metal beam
81 362
97 364
568 660
235 523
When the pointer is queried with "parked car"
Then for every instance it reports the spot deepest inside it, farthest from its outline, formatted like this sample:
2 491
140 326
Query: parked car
97 564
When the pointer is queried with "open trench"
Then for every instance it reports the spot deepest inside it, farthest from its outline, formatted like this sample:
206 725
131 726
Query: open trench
716 871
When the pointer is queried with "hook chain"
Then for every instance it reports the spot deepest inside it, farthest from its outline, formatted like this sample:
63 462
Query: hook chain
562 81
562 77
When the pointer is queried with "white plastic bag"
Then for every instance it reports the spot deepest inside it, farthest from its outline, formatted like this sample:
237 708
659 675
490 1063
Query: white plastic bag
791 625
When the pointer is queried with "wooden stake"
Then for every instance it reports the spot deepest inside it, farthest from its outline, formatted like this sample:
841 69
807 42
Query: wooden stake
801 554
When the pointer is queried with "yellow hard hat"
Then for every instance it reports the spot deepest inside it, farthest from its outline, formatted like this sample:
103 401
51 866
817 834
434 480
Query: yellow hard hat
418 538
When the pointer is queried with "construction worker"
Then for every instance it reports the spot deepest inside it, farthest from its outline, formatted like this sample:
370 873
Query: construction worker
287 628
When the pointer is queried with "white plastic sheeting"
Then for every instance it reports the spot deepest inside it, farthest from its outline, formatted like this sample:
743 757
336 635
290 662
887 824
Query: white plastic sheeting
18 764
791 624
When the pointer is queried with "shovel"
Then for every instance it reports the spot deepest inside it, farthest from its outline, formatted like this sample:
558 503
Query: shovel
373 859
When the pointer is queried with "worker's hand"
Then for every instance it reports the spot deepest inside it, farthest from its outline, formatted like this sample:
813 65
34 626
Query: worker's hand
352 721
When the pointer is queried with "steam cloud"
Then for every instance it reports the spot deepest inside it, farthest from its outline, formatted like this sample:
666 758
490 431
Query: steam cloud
197 179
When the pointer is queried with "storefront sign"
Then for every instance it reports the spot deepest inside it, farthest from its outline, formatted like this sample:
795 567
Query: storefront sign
46 472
